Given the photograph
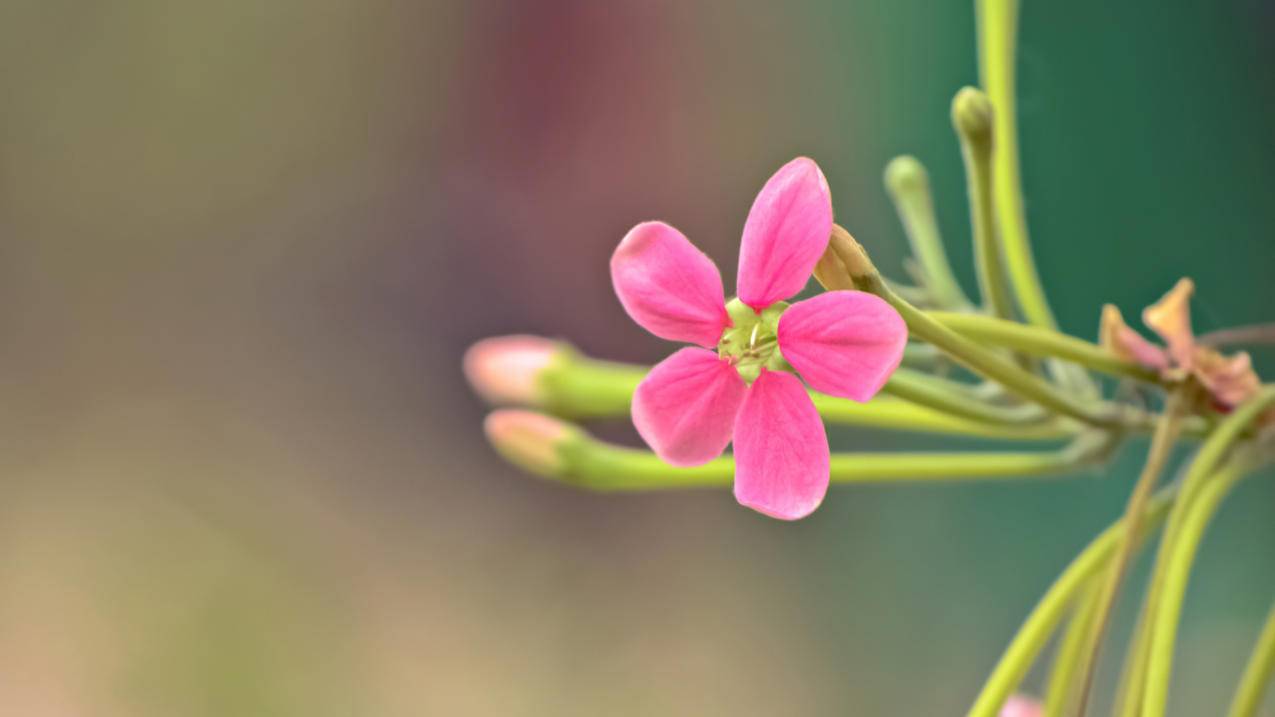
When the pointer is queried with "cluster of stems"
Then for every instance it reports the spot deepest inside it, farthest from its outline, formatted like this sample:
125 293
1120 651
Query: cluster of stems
992 366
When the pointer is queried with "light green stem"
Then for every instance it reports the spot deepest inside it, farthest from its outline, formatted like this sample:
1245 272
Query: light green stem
1206 461
908 184
579 387
596 465
1257 673
889 413
982 361
1044 618
1043 342
972 119
1060 687
997 46
1162 441
997 40
1186 543
957 399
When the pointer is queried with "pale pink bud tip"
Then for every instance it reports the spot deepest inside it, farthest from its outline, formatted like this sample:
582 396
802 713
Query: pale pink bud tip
528 439
1021 706
507 369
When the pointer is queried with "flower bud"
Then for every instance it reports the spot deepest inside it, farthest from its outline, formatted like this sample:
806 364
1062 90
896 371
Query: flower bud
1022 706
905 175
850 253
831 273
972 115
532 441
506 370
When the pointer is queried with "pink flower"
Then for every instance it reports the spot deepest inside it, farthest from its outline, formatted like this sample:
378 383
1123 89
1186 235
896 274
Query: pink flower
692 404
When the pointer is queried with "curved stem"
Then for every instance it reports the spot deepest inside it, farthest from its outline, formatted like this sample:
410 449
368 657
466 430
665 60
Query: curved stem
956 399
1059 690
972 119
889 413
580 387
997 41
1043 342
596 465
1257 673
1186 543
1206 461
1044 618
1024 383
1162 441
908 185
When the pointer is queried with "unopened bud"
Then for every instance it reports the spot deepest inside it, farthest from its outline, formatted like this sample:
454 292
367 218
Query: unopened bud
972 115
507 370
851 254
905 175
831 273
532 441
1021 706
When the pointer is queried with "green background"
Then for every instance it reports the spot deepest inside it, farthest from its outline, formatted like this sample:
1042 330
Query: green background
243 246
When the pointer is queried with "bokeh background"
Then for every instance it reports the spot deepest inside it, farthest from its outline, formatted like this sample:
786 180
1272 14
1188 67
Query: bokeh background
243 246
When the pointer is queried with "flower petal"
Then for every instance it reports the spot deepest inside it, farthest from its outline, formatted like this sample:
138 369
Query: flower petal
781 449
1170 317
844 343
786 233
1229 379
669 287
1116 336
685 407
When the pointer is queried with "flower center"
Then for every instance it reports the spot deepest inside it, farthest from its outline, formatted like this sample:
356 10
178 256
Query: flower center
751 344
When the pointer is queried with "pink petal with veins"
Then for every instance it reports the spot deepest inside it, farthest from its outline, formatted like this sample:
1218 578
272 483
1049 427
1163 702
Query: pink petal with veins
786 233
844 343
669 287
781 449
685 408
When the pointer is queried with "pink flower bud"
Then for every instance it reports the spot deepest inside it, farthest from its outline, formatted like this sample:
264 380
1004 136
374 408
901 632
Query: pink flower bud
529 440
506 370
1022 706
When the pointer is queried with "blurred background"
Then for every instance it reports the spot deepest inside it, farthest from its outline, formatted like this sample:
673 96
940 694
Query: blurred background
243 246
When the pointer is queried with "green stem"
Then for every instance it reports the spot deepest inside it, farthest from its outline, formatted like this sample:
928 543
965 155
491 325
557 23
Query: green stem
997 45
1043 342
997 40
1162 441
956 399
972 119
1186 543
1206 461
1257 673
909 187
579 387
1044 618
1067 658
889 413
596 465
1022 382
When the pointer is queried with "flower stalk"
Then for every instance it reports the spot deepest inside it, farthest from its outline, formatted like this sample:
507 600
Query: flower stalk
1257 672
972 119
1049 612
1210 456
568 454
908 185
1022 382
